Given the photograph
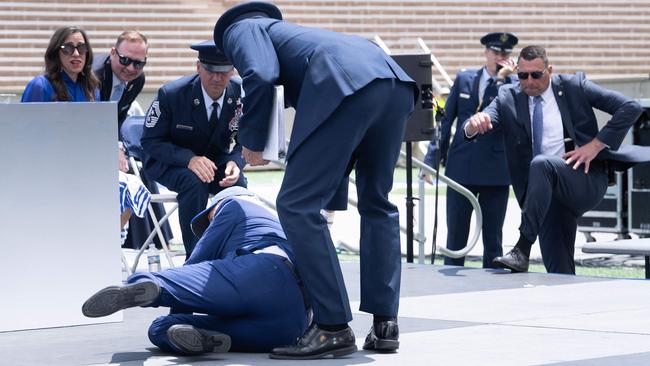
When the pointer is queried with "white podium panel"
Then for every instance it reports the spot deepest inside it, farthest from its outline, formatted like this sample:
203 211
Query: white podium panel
59 221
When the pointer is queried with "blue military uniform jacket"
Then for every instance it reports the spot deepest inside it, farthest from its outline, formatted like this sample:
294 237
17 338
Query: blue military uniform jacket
470 162
177 129
239 225
576 97
311 65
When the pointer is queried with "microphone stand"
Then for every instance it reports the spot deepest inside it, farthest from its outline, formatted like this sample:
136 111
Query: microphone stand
437 136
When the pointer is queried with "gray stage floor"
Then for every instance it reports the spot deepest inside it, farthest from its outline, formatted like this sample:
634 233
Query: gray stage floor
448 316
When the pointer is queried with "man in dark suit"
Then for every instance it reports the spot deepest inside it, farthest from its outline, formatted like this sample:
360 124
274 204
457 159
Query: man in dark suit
352 101
190 136
542 120
479 165
239 281
121 75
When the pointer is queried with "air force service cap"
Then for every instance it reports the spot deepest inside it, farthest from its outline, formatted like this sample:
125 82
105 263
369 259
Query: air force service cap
200 222
499 41
243 11
210 58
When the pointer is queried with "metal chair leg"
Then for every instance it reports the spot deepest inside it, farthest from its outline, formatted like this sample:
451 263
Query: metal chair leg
125 263
145 245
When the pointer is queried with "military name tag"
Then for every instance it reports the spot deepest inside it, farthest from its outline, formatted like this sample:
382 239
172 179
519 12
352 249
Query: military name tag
185 127
464 96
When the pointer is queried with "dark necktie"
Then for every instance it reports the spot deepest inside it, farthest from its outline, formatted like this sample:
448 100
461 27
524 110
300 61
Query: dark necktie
489 94
538 125
214 117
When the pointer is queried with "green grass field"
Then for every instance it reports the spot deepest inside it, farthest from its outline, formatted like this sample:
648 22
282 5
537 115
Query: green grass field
609 272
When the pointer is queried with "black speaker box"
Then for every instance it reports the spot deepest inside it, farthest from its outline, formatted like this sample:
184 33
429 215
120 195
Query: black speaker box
639 175
641 172
611 213
640 212
419 127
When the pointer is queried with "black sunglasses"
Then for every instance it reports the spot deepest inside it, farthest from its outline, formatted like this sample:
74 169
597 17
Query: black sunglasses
126 61
69 48
535 74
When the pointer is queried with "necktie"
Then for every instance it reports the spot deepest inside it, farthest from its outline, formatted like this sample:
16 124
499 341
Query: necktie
117 92
214 116
538 125
489 94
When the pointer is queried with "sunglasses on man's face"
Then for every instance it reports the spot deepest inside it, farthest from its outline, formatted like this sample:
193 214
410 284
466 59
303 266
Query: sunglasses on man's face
69 48
535 74
126 61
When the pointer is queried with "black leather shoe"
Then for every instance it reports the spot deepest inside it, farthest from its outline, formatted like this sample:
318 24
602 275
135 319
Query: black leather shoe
514 260
115 298
318 343
194 341
383 336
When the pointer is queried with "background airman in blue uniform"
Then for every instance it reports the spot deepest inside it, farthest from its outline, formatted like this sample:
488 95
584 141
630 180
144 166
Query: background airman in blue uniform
479 165
190 143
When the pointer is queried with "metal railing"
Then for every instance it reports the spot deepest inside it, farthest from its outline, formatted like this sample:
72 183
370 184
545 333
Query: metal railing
420 237
458 188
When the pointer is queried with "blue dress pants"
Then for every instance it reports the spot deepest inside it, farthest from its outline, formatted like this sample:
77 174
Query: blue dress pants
555 197
253 298
493 201
367 127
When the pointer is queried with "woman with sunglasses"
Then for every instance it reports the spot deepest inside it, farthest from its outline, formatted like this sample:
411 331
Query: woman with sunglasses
69 78
68 75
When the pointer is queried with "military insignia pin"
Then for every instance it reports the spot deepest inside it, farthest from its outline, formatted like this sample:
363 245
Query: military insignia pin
153 115
196 102
229 100
233 125
503 38
232 142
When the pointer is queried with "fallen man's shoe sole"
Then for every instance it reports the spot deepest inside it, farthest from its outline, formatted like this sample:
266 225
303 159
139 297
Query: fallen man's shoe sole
115 298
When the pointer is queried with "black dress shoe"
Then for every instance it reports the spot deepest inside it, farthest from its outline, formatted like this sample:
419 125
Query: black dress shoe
194 341
514 260
383 336
115 298
318 343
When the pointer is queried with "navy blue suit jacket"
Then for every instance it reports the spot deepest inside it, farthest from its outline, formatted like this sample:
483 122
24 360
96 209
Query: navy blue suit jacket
103 72
240 225
576 97
476 162
177 129
318 69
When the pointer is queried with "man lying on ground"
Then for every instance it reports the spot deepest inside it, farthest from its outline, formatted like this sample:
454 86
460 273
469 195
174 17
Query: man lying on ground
238 290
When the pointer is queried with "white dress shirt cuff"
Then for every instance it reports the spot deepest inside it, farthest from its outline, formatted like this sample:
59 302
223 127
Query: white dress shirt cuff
468 135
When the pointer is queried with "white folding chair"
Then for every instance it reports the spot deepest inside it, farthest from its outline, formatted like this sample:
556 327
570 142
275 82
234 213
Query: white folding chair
131 131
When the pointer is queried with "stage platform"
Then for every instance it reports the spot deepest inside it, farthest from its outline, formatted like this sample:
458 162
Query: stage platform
448 316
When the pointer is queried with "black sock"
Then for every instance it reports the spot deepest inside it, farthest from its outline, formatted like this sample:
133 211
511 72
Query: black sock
333 327
381 318
524 245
